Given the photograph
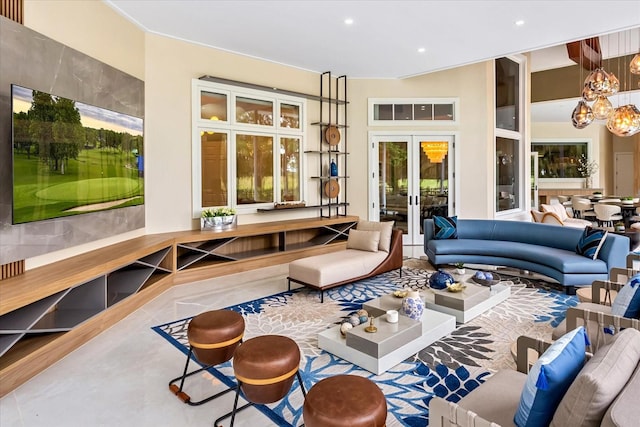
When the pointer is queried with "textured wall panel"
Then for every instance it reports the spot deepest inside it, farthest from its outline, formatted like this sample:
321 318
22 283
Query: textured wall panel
35 61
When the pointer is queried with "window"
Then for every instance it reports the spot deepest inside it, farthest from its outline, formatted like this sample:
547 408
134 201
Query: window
558 159
509 135
383 111
246 148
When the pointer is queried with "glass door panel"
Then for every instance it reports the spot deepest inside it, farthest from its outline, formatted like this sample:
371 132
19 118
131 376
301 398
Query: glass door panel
434 180
393 176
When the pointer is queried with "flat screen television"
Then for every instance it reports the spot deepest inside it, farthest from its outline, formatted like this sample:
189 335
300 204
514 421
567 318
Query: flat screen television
72 158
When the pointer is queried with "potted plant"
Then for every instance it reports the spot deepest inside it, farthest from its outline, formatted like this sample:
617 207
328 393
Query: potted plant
460 267
628 200
219 218
619 226
587 168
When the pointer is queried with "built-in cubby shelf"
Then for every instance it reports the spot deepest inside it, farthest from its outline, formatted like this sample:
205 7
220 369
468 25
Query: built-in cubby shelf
64 310
49 311
264 240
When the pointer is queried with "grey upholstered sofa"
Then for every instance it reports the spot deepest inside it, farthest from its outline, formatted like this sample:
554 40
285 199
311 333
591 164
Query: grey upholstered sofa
605 392
546 249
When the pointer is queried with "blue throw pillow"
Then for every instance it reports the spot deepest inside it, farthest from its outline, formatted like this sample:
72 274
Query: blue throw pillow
627 302
590 242
445 227
550 378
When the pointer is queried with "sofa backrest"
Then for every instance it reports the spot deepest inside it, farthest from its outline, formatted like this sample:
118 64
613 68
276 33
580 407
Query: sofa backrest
613 251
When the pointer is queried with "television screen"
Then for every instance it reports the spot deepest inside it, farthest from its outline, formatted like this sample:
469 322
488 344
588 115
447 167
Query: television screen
71 158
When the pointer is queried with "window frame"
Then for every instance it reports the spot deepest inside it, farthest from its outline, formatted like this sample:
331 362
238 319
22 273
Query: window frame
519 136
564 141
372 102
231 127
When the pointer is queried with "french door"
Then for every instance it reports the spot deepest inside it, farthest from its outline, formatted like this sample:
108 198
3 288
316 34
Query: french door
411 181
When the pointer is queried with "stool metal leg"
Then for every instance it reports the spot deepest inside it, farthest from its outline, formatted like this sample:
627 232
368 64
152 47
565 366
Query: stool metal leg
177 390
235 409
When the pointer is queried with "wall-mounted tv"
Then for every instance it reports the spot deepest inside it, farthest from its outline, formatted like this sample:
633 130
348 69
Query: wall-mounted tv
72 158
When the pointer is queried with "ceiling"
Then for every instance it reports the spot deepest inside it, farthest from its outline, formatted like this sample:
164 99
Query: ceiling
384 38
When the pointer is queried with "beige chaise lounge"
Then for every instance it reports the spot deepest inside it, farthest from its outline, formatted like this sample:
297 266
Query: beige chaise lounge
372 248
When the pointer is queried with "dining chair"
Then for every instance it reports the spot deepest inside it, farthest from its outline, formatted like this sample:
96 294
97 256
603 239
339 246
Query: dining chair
582 208
607 214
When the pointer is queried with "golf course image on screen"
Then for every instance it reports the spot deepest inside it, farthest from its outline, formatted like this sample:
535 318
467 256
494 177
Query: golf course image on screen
72 158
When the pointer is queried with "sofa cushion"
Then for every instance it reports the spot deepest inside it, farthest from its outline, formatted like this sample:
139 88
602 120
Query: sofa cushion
385 228
622 412
363 240
445 227
505 383
590 242
549 379
558 259
599 382
627 301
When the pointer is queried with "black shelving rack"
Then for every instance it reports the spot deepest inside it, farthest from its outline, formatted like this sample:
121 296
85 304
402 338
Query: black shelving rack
333 112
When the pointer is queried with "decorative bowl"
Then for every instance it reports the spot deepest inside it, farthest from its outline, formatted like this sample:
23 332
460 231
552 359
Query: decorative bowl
456 287
440 280
485 282
400 294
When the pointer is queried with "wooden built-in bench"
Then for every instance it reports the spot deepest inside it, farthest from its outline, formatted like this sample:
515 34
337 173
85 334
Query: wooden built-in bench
49 311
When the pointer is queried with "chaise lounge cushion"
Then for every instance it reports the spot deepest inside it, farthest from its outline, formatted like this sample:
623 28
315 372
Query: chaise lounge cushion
385 228
599 382
337 266
363 240
623 411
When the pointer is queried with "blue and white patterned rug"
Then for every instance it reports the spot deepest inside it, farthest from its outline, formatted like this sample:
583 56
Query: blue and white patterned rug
449 368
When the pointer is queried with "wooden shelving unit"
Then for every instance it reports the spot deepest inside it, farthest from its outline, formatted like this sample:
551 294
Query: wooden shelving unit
50 311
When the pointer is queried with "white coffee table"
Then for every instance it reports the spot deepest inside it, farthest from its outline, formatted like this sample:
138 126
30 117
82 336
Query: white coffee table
391 344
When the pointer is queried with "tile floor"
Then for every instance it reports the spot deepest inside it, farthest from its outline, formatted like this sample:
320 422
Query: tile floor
120 378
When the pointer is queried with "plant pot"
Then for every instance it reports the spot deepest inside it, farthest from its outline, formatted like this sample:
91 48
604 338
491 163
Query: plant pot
460 271
219 222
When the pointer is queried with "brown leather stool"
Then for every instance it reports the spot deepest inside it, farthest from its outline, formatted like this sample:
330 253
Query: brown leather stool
213 338
345 400
265 367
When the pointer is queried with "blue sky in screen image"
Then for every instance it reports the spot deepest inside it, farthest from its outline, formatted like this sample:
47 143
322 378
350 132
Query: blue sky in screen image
90 116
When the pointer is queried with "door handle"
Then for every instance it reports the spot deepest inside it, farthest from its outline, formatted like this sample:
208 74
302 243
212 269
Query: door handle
410 201
416 200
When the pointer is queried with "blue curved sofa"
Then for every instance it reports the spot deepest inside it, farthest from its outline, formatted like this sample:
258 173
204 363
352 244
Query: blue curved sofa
545 249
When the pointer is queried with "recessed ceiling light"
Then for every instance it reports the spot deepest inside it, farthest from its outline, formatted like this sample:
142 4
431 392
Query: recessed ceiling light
421 50
348 21
519 22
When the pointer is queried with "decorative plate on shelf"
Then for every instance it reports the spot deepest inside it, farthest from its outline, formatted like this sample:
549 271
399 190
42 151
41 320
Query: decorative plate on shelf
332 135
332 188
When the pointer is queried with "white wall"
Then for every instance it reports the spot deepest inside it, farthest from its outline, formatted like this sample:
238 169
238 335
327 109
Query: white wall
167 66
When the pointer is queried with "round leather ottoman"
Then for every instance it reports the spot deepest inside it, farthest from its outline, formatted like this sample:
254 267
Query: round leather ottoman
265 367
214 335
345 400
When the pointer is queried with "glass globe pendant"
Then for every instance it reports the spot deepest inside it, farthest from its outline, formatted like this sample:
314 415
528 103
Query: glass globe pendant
602 108
625 121
582 115
587 94
634 65
614 84
598 81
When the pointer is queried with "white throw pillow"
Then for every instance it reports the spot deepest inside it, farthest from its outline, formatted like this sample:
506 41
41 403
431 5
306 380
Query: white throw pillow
363 240
385 229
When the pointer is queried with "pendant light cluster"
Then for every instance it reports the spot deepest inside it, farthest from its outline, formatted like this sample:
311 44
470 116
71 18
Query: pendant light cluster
598 87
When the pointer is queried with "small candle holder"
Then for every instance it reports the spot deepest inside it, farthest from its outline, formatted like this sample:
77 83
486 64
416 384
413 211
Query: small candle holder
371 328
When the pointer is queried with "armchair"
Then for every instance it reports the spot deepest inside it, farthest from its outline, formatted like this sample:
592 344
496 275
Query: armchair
561 214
